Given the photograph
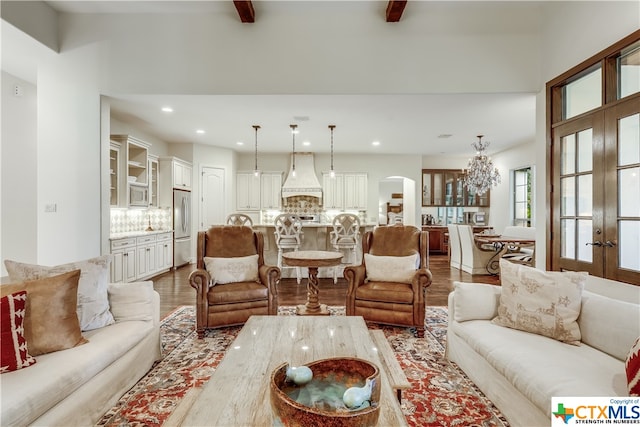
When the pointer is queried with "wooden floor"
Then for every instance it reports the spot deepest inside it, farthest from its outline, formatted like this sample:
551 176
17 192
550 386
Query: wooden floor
175 291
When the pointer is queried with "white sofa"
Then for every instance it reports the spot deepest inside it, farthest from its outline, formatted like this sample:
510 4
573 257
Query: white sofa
521 371
77 386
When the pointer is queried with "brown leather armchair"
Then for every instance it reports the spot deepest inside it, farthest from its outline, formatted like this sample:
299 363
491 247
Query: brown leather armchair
232 303
392 303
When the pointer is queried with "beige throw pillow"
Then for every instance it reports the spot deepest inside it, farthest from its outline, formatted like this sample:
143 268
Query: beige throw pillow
93 301
51 322
231 270
399 269
541 302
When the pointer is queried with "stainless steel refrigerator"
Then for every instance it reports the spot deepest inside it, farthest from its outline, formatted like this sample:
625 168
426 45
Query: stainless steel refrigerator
181 227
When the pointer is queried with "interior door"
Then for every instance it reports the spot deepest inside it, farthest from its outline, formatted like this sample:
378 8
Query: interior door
578 195
213 197
621 239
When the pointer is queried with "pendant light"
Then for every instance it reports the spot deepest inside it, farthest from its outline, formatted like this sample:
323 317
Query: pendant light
293 158
256 171
480 174
332 173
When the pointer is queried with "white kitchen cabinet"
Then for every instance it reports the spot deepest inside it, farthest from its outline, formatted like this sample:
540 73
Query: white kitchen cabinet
134 183
142 257
247 191
153 181
182 172
355 191
333 191
123 262
114 174
145 256
164 251
173 173
271 190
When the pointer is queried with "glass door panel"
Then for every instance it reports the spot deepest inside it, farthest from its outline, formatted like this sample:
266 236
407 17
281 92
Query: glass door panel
449 188
579 242
427 192
622 190
437 189
459 191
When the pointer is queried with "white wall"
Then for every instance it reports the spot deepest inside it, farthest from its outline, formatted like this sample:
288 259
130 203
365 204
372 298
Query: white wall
18 181
500 213
68 156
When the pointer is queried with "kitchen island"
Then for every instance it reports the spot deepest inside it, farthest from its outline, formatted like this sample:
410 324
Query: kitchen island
315 237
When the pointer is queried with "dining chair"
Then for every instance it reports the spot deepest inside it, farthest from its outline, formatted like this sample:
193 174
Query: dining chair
521 253
455 251
474 259
239 219
288 235
345 236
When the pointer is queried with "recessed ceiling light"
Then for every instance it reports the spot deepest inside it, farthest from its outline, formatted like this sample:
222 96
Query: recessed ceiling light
200 131
445 135
167 109
239 143
306 143
375 143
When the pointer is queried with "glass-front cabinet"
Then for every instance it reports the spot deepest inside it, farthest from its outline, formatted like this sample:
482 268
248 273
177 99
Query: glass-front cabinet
445 187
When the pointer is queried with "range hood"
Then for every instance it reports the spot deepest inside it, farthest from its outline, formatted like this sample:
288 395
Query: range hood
305 183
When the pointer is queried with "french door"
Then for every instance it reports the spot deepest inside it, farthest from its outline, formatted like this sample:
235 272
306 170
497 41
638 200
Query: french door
621 245
578 223
596 193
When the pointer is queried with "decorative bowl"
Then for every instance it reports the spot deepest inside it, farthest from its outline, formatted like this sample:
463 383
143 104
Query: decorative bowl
334 376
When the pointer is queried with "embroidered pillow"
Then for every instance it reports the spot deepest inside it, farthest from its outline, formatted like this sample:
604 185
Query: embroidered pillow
632 367
231 270
541 302
93 302
13 346
399 269
50 322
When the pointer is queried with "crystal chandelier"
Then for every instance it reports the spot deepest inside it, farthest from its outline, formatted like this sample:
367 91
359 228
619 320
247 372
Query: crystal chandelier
480 174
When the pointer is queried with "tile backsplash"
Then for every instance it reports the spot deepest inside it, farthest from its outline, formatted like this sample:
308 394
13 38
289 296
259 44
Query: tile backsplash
128 220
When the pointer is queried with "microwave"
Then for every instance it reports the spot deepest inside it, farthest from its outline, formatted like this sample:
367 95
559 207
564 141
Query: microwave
480 218
138 194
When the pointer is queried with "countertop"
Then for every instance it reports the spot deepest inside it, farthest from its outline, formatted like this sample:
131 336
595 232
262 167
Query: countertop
127 234
316 225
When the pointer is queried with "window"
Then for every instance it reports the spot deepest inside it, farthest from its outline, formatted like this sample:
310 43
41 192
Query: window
628 65
582 94
521 179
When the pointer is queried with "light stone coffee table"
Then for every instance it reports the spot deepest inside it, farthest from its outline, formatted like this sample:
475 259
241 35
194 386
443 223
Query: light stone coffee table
238 392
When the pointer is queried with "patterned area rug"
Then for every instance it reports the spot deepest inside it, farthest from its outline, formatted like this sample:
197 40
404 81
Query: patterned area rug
441 395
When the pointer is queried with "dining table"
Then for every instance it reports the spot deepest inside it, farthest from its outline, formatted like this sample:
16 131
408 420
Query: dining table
501 245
